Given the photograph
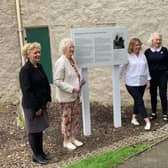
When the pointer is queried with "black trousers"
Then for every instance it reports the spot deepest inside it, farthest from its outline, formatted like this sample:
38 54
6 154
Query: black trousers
36 143
137 93
159 80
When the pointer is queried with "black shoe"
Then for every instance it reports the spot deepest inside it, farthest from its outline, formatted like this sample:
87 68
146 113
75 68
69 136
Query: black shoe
46 156
165 117
39 159
153 116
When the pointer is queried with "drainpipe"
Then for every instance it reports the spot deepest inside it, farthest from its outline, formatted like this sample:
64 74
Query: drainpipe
20 113
20 29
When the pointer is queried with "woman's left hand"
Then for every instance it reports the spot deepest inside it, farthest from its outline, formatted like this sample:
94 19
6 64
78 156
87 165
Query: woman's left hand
148 84
76 90
48 105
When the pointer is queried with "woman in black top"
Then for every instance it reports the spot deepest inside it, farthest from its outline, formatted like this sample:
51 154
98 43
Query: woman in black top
157 57
36 99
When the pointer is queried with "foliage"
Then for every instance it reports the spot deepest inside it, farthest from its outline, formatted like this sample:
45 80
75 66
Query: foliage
20 117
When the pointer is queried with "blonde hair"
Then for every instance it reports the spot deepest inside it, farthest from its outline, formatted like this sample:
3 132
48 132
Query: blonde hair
132 43
152 36
28 47
63 45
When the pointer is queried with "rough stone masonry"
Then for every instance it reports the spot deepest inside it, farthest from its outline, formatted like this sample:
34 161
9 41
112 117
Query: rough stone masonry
140 17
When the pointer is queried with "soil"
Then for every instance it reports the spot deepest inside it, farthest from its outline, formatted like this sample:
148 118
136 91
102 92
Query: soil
15 150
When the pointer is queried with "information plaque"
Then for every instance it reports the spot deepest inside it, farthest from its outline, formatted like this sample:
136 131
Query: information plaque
100 46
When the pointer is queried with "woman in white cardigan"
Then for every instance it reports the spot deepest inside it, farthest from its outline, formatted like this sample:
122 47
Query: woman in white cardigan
67 80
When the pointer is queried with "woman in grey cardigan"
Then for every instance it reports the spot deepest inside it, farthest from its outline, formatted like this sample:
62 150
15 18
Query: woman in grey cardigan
36 99
67 80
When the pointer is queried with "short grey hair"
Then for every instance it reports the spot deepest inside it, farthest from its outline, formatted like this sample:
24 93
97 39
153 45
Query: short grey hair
63 45
152 36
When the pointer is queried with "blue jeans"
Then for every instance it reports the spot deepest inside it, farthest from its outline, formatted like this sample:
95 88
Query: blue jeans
137 93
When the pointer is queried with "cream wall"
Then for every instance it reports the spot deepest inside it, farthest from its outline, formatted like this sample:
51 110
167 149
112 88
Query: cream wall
9 52
140 17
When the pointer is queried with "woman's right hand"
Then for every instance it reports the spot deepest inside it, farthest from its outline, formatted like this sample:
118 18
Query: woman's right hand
38 113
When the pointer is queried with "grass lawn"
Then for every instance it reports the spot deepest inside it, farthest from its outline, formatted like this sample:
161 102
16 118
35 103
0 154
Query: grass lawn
109 159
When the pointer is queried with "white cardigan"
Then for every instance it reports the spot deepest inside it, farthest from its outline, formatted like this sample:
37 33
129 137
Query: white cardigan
65 78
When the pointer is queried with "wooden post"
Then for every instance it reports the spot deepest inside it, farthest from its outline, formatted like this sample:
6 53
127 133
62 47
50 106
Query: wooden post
85 104
116 96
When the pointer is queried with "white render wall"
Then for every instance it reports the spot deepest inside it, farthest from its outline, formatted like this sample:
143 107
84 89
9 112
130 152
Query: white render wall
140 17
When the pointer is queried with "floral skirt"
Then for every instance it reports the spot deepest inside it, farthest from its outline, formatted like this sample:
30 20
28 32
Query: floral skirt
70 118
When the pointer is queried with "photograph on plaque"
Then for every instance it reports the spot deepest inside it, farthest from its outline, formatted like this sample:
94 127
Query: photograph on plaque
118 42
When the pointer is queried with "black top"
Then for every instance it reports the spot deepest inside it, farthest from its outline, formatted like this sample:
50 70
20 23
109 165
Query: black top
35 86
158 60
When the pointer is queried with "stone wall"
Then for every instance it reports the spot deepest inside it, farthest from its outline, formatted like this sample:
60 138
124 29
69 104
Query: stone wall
9 57
140 17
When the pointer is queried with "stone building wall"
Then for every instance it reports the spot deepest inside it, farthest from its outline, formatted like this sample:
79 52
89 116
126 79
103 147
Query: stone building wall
9 52
140 17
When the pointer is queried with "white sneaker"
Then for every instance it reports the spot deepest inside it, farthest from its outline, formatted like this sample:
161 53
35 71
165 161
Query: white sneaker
147 126
69 146
77 143
134 122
